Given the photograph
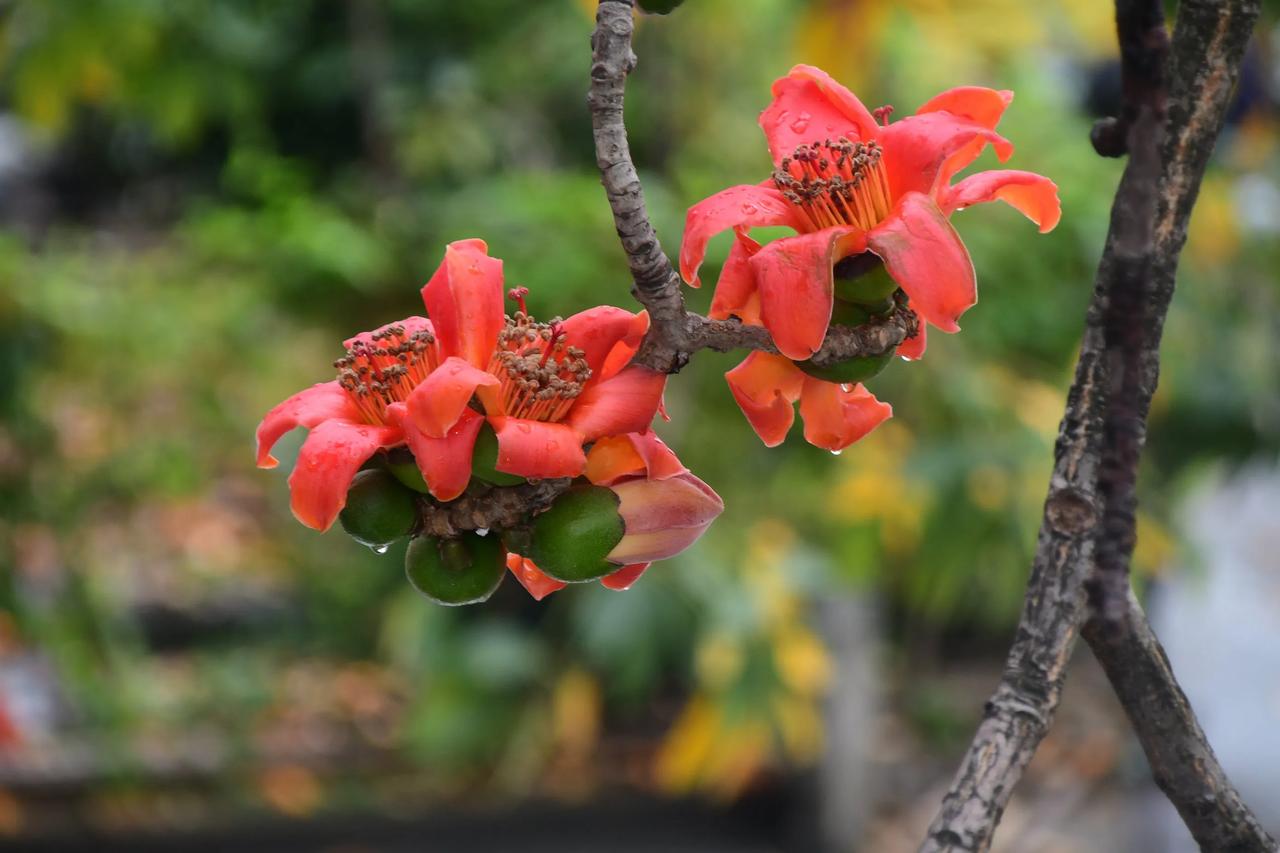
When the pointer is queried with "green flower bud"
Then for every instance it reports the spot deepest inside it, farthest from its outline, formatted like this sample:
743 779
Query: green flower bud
379 509
464 570
404 467
849 371
658 7
871 288
484 460
573 537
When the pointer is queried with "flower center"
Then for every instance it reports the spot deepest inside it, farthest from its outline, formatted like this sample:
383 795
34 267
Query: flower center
541 375
385 369
836 183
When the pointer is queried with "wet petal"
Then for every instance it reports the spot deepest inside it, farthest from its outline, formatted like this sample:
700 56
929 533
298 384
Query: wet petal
977 104
327 462
538 584
445 462
796 289
923 253
835 418
537 449
1032 195
636 454
307 408
807 105
766 386
439 400
464 301
924 151
599 331
736 294
743 206
623 403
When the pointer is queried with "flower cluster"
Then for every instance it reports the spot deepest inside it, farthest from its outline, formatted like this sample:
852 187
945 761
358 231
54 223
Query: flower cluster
870 202
473 398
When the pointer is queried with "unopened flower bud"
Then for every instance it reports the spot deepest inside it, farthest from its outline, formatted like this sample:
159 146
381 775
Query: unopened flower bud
466 569
379 509
662 517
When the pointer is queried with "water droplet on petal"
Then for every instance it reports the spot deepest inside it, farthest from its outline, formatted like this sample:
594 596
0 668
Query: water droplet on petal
524 428
379 549
750 210
552 446
801 123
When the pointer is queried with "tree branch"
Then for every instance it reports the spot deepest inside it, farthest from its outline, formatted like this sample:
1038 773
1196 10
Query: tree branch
1089 510
676 333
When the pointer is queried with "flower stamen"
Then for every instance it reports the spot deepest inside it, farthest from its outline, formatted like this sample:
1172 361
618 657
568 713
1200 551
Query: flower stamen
540 374
836 183
384 369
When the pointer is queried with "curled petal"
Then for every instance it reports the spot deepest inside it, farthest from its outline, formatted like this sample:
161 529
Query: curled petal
1032 195
919 150
464 301
538 449
835 418
662 517
742 206
736 294
445 462
328 460
439 400
599 331
533 579
623 403
307 408
978 104
636 454
923 253
808 105
624 577
766 386
796 289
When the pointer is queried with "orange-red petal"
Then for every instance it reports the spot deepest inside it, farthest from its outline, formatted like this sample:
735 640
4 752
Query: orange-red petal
978 104
624 577
327 462
440 399
599 331
766 386
913 348
807 105
445 462
736 294
464 301
793 275
533 579
635 454
923 253
539 449
744 206
835 418
1032 195
620 404
918 149
307 408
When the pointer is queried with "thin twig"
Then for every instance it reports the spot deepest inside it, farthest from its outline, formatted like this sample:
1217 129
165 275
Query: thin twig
1207 49
676 333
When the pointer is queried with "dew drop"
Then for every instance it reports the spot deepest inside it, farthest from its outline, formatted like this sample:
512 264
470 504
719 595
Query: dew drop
551 447
379 549
750 210
801 123
836 452
524 428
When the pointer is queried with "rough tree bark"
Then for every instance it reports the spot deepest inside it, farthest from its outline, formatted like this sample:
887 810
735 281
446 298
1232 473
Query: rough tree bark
1175 101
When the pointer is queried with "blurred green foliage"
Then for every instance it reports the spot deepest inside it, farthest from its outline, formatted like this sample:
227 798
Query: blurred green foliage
228 188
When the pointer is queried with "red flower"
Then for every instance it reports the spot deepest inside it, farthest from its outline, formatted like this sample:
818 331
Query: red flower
664 509
849 185
546 389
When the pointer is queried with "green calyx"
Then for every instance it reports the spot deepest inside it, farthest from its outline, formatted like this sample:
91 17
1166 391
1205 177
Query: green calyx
852 370
484 460
872 288
463 570
379 509
659 7
401 464
573 537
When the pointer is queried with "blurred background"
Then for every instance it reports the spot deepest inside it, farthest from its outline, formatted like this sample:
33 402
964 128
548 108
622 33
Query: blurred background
200 200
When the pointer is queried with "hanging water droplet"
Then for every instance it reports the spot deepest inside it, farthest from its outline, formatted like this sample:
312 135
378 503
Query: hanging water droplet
836 452
482 531
379 549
